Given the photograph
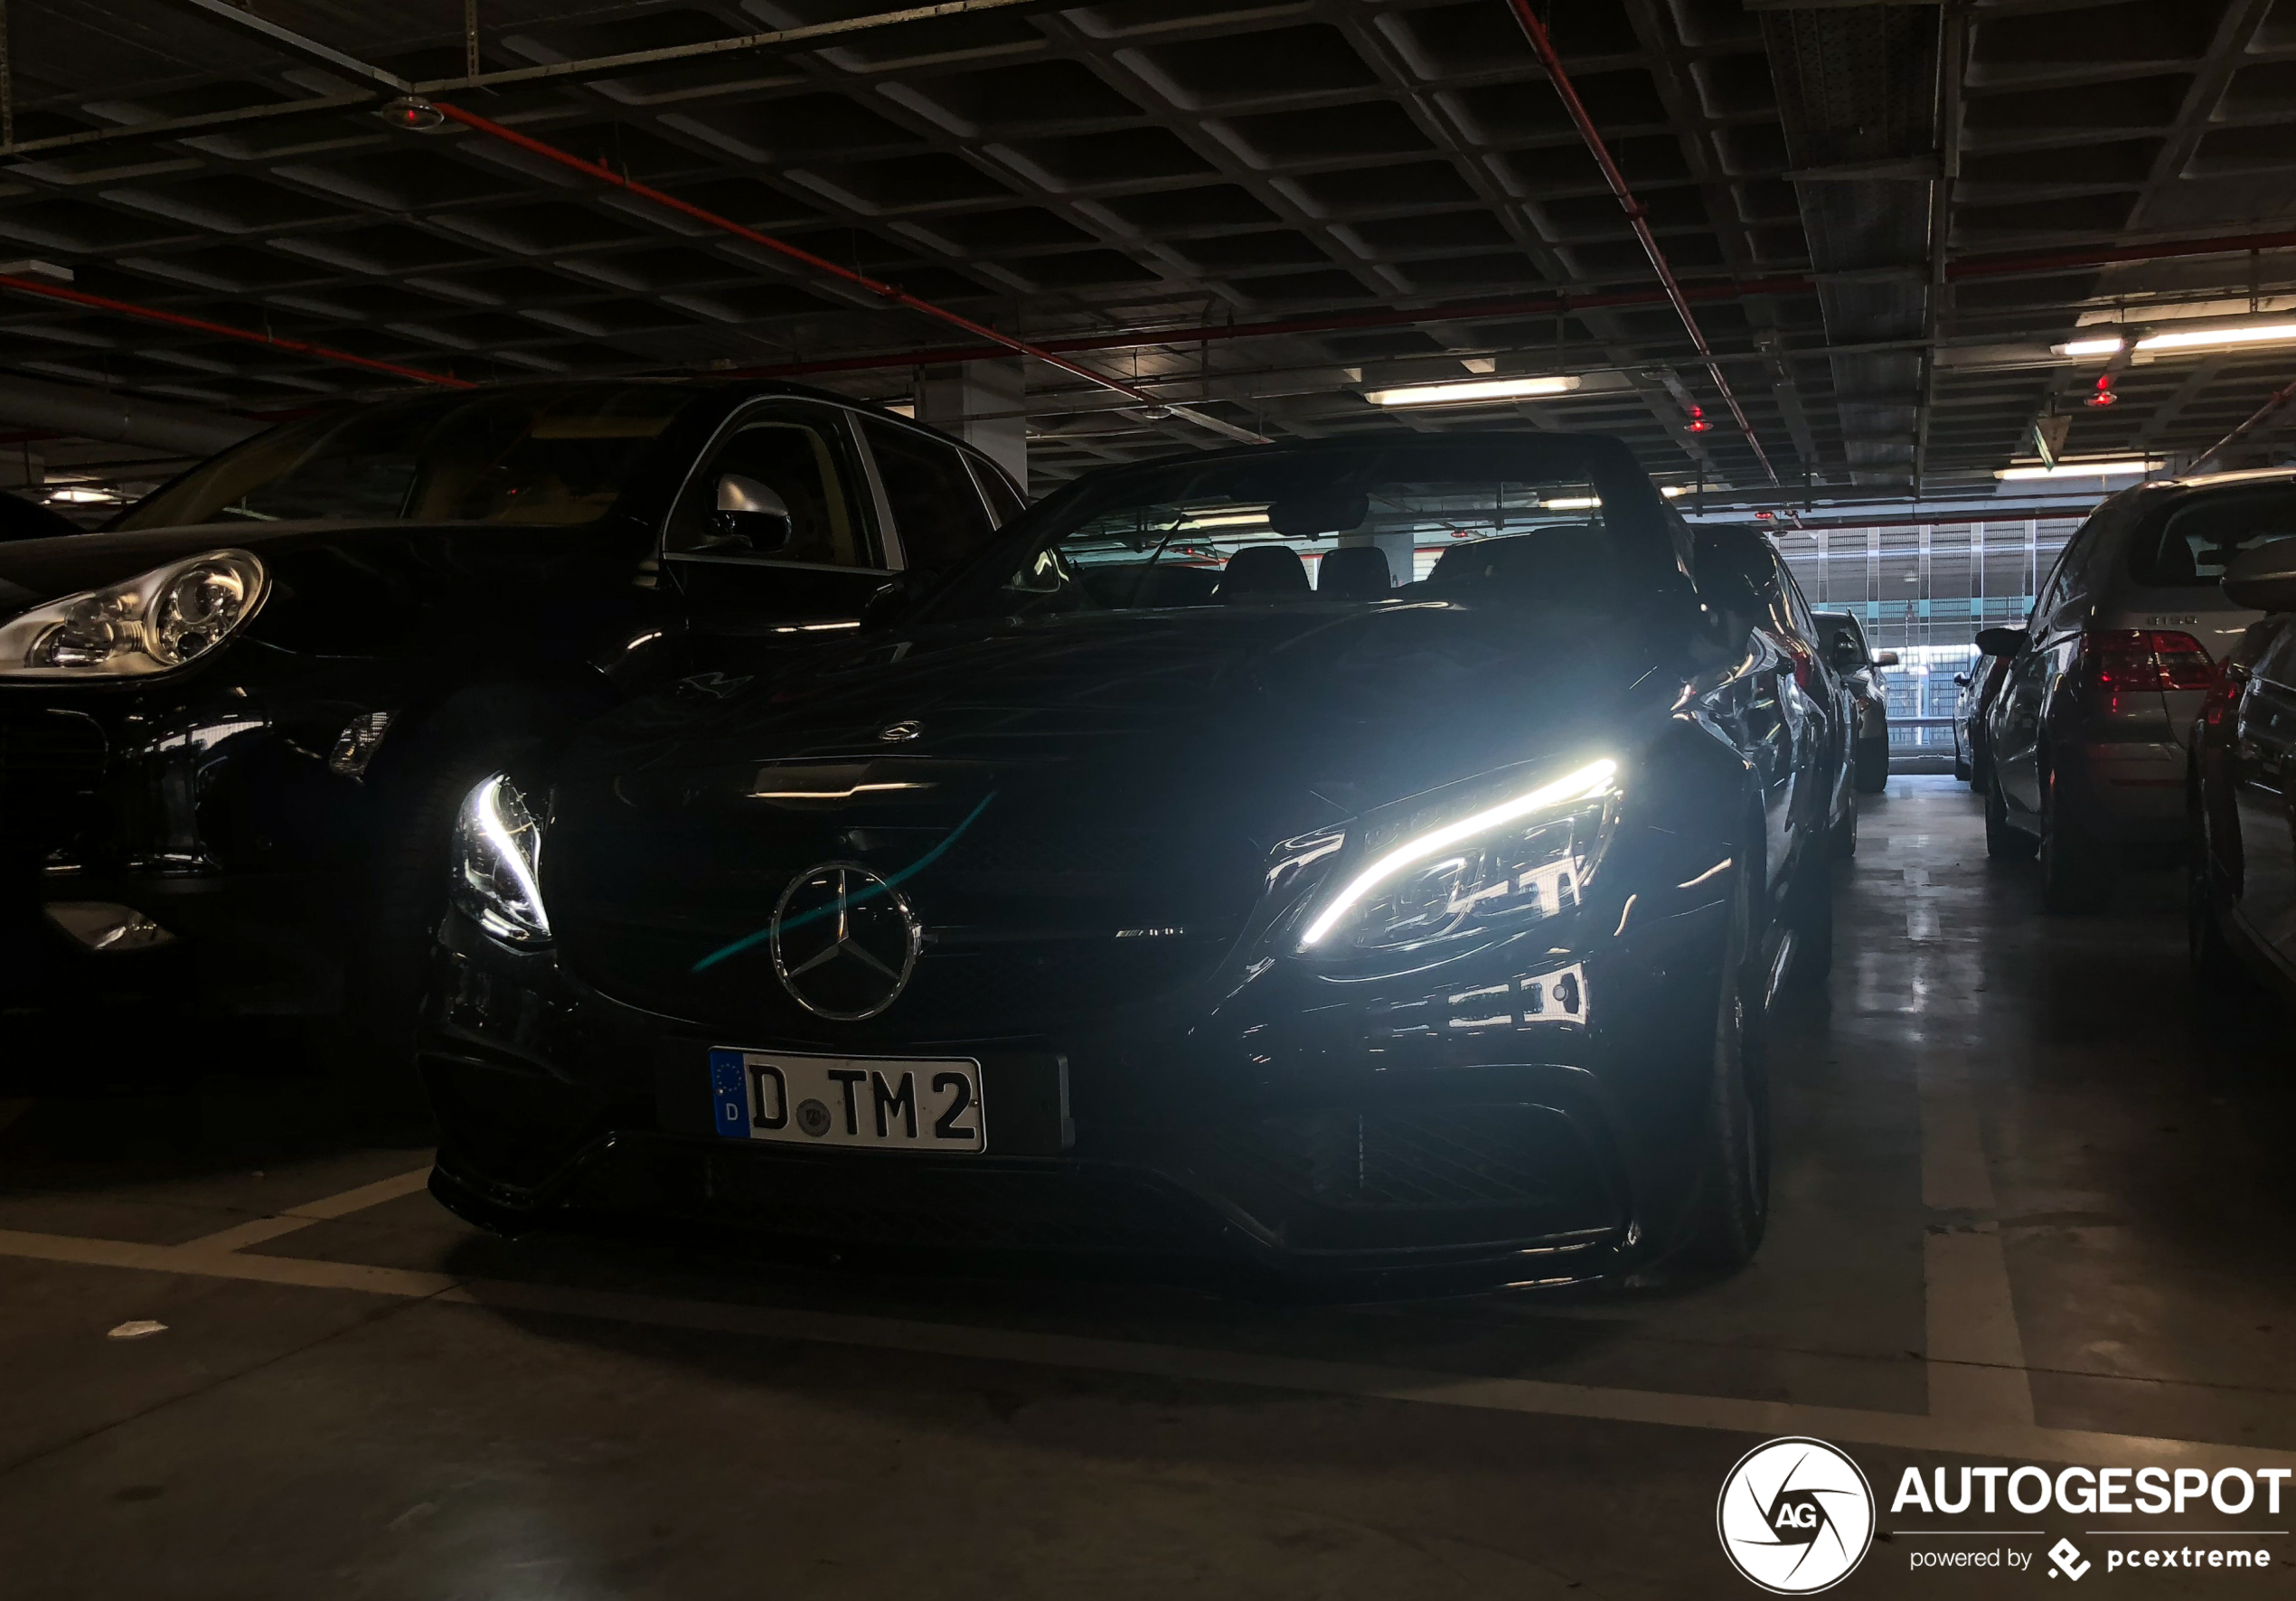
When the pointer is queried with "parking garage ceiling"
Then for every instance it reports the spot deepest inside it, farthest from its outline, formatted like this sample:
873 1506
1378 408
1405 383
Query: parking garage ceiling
1881 217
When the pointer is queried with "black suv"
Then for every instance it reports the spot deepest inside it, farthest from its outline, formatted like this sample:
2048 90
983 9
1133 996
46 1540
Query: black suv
240 719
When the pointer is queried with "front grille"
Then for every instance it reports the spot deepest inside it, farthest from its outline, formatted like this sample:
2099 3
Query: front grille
51 762
1457 1156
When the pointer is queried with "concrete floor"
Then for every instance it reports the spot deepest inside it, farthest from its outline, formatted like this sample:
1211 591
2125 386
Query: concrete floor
2032 1205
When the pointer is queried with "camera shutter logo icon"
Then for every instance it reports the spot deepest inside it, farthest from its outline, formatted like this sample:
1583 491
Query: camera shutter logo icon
1795 1516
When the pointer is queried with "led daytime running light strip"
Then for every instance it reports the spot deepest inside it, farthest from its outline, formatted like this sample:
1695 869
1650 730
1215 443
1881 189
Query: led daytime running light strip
498 832
1586 784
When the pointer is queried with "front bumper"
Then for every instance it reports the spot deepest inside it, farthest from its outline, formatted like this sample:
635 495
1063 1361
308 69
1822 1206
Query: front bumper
1424 1131
207 805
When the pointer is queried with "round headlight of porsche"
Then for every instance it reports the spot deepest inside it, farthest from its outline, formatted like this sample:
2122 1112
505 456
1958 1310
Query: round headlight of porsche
200 604
155 622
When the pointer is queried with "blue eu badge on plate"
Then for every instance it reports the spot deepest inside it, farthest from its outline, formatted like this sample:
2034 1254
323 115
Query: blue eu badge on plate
729 1093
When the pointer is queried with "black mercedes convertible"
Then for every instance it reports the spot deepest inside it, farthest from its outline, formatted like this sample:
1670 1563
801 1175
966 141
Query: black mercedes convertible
1367 858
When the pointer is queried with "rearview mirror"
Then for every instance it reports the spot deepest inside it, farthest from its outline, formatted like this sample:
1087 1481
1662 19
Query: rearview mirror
751 513
1887 658
2001 642
2265 578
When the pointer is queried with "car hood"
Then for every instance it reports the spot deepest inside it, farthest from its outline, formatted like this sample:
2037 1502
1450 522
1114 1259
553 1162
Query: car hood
1054 782
1356 706
41 570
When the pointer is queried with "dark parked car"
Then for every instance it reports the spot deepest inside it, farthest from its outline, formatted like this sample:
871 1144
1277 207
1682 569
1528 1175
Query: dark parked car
2242 782
1975 690
1748 556
28 519
243 718
1134 892
1860 667
2089 737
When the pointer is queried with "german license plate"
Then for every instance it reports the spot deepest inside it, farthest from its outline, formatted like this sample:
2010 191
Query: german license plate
882 1103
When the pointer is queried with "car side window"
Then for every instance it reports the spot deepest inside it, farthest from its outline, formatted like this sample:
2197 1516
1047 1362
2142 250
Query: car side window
938 509
1004 504
2053 587
1804 623
794 462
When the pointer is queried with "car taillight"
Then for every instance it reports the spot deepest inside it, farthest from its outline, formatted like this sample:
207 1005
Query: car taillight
2121 660
2224 691
1805 662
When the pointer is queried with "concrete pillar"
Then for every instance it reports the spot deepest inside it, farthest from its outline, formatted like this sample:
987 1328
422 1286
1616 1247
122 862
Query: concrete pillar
962 398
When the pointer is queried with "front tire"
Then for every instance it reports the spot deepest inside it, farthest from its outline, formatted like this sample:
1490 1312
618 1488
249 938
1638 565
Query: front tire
1812 920
1733 1210
2216 967
1873 766
2003 841
2077 868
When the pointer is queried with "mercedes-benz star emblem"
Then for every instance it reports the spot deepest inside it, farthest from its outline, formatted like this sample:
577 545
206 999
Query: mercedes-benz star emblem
843 942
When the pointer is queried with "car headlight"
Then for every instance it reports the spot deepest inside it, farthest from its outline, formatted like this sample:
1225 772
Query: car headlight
1512 860
155 622
497 864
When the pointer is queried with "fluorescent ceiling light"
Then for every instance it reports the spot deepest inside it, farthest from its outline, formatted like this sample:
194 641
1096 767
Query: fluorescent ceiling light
1580 503
2120 467
2182 339
1672 490
1470 391
2201 339
1227 520
82 496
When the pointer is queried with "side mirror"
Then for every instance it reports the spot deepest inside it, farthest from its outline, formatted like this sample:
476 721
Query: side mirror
749 514
891 601
1962 679
2001 642
2264 577
1887 658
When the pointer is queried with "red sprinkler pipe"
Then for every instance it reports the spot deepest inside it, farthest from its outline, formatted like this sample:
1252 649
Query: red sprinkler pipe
1536 30
2278 398
885 291
152 313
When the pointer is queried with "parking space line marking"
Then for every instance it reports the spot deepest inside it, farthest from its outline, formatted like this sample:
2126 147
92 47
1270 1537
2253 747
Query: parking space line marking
2018 1440
326 1208
1976 1356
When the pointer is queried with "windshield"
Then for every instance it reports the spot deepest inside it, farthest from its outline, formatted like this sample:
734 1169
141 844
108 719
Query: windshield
554 454
1324 527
